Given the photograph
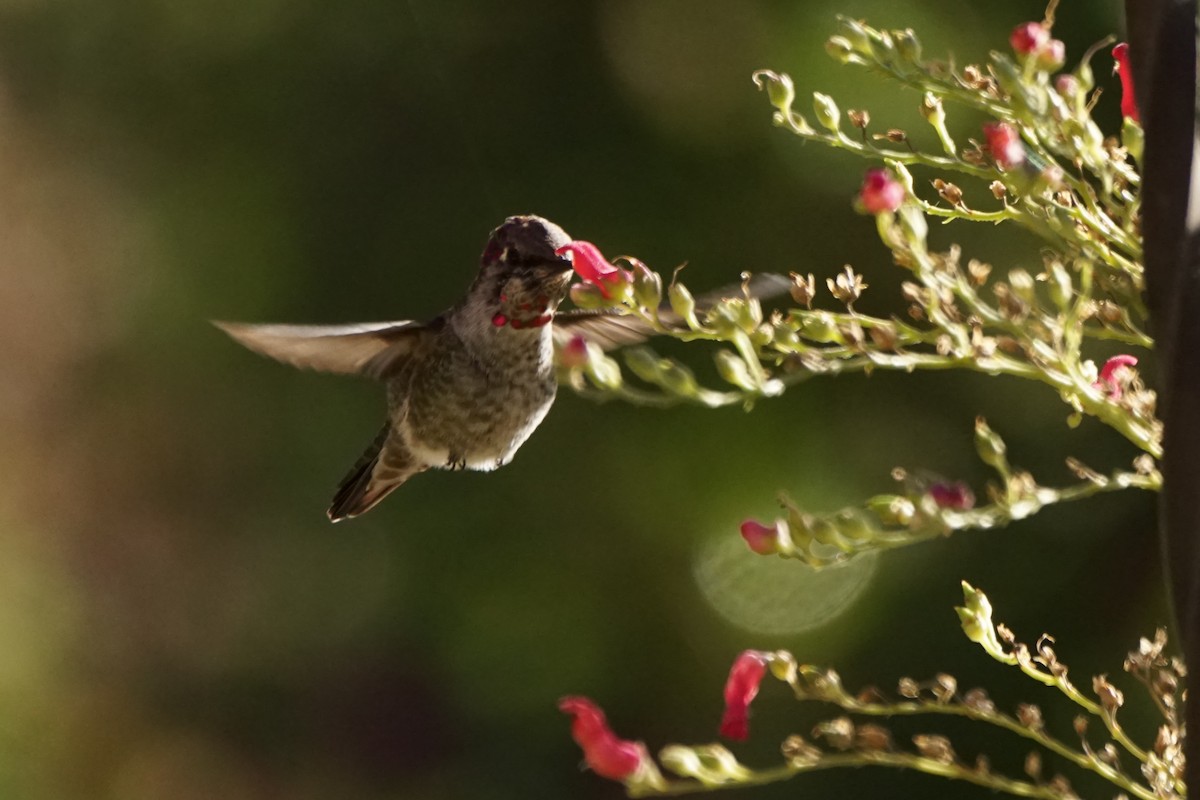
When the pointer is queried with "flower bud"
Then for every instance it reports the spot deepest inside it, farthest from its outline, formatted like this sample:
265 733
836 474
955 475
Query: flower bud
908 45
647 285
1028 37
826 111
683 304
734 370
820 326
643 363
780 90
1022 285
588 296
857 36
603 371
839 49
990 446
931 109
1052 56
1062 288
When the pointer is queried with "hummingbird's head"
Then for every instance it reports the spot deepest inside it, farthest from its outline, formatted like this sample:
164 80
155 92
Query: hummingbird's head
521 274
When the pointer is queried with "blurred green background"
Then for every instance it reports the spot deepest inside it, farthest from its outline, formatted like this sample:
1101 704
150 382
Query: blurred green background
178 619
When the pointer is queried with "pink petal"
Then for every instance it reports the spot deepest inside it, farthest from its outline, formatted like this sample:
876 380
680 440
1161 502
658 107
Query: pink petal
741 687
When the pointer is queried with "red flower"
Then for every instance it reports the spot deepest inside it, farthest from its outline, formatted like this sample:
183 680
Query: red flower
762 539
956 496
1125 70
1005 143
1111 373
608 756
1029 37
880 192
591 265
740 689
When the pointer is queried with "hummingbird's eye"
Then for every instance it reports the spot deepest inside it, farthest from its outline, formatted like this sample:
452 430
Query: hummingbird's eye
493 252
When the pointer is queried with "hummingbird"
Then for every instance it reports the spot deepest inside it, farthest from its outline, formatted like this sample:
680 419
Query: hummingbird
468 387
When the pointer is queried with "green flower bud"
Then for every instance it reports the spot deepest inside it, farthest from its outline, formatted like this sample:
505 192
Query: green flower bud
971 625
908 46
780 90
604 372
1021 283
839 49
683 304
734 370
820 326
588 296
647 286
857 35
855 525
683 761
826 111
1062 288
677 379
892 509
643 363
990 446
932 110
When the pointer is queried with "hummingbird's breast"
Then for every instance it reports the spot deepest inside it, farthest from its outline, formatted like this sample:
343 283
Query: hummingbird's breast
473 407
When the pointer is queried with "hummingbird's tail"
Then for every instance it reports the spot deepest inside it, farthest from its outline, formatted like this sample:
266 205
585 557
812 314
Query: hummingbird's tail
385 465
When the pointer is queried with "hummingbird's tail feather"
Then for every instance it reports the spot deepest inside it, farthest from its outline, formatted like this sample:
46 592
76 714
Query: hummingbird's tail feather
385 465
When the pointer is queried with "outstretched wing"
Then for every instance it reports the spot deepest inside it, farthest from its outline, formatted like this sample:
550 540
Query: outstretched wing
609 330
372 349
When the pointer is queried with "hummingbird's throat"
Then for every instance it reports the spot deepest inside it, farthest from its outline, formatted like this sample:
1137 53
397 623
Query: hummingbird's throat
500 320
523 315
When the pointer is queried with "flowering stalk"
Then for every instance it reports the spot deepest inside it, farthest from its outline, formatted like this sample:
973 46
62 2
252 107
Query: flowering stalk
1041 324
844 742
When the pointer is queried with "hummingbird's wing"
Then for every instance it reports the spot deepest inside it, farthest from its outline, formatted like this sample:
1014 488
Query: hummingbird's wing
371 349
609 329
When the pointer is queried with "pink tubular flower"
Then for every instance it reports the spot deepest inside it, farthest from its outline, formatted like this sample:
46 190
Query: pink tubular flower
956 496
608 756
1125 70
1028 37
740 689
1110 375
762 539
591 265
1008 150
880 192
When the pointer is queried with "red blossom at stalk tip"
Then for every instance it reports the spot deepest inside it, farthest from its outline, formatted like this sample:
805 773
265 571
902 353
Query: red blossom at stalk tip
956 495
740 689
1111 374
762 539
1029 37
591 265
607 755
1004 141
880 192
1125 70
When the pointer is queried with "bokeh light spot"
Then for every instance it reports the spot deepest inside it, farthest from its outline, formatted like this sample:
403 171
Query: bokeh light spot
775 595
